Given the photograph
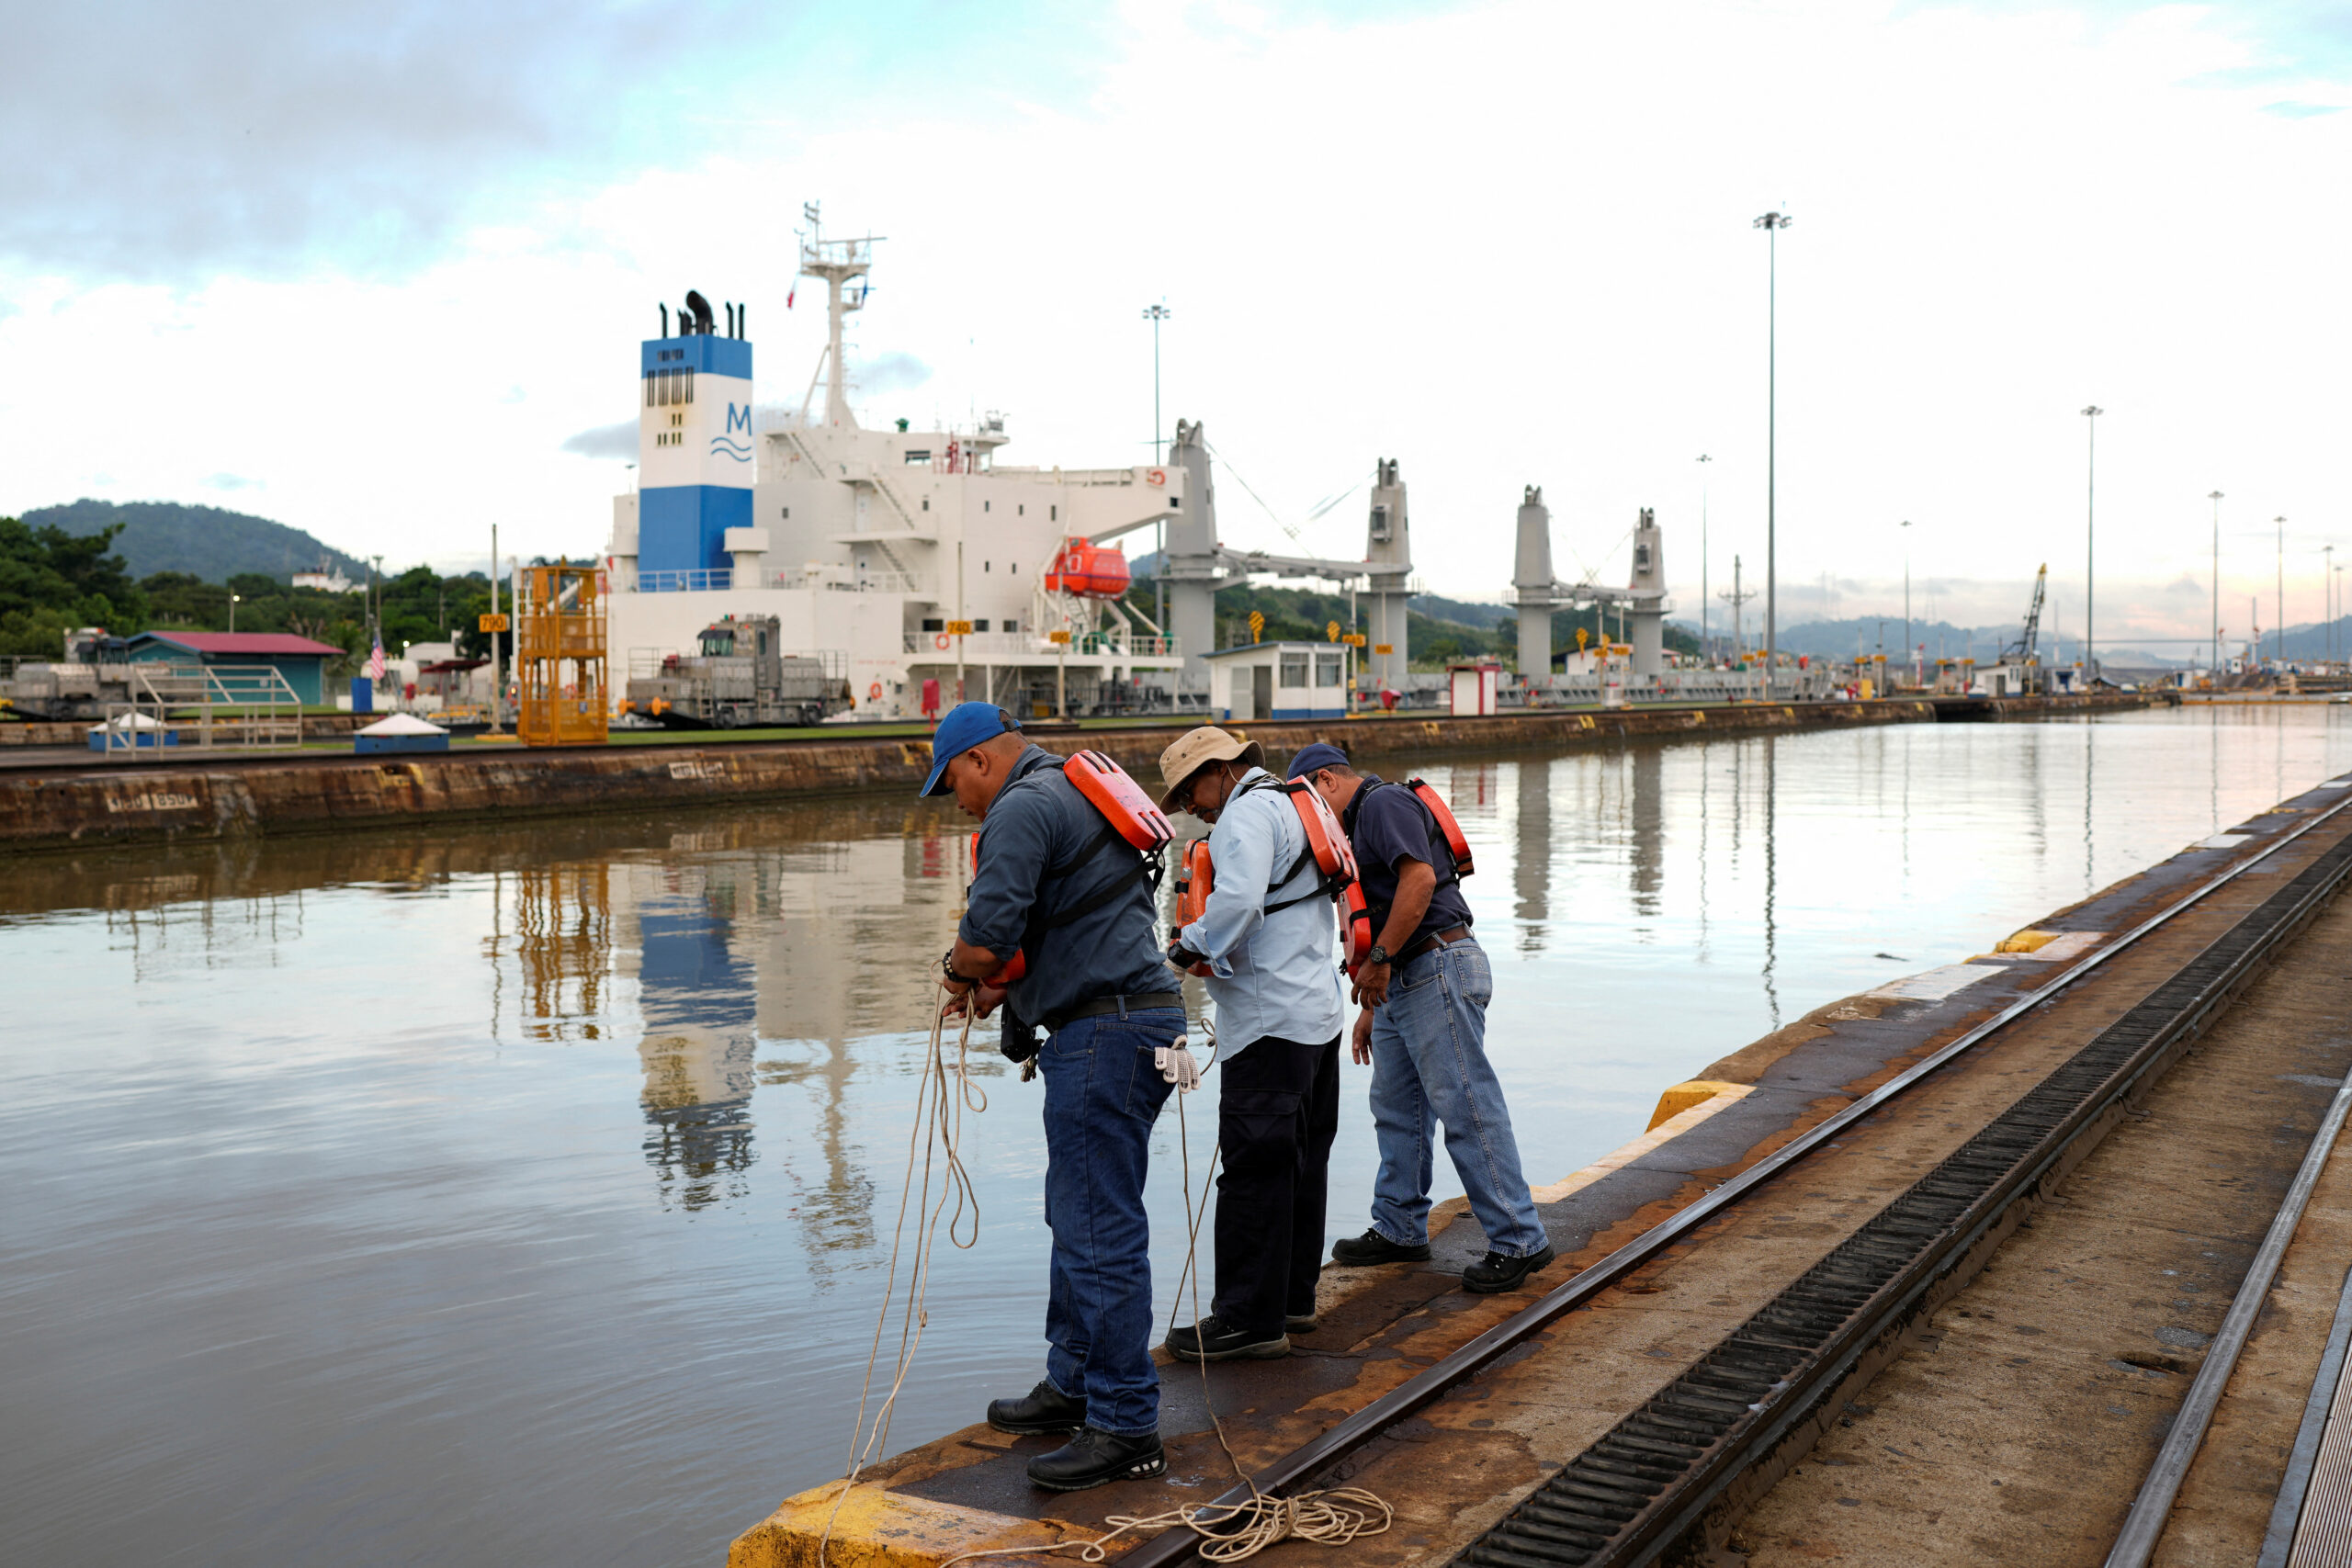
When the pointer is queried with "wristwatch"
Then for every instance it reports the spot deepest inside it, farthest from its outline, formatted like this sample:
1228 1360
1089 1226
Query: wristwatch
1378 957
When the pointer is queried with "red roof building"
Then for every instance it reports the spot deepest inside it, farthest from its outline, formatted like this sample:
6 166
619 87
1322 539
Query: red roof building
250 645
301 661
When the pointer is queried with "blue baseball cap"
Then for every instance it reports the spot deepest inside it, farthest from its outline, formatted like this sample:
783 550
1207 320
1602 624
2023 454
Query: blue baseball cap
967 725
1321 754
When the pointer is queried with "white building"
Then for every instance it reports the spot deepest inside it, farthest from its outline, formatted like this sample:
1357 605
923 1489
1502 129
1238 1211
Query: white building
1261 680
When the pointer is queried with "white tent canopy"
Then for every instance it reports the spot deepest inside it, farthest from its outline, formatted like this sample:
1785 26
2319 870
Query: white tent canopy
402 723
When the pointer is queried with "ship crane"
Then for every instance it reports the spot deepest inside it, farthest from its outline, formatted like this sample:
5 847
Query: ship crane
1536 593
1197 563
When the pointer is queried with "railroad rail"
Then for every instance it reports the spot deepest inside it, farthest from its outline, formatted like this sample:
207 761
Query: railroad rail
1646 1486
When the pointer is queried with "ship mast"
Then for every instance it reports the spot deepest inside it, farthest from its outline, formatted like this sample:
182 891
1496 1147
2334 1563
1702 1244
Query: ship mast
837 262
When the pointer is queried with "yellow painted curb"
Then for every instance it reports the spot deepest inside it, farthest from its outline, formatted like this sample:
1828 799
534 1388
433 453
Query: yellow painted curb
1665 1132
1683 1096
883 1529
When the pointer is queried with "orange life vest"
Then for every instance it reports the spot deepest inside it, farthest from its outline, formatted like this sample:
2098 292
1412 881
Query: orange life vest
1456 844
1355 939
1457 848
1128 814
1327 847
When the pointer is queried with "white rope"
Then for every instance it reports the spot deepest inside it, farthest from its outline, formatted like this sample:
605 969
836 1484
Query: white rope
1228 1533
943 1117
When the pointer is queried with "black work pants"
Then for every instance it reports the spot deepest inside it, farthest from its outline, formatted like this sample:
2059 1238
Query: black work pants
1277 1112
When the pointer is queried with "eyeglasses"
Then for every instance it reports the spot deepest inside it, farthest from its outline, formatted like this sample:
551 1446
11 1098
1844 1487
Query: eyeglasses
1184 801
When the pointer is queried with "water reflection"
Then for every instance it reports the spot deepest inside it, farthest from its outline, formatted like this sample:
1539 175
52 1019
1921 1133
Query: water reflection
1648 814
695 1010
1531 863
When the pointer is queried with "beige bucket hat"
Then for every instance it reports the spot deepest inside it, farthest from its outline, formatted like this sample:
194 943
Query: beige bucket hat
1196 749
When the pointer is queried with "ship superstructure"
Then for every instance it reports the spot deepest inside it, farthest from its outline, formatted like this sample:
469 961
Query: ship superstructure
899 556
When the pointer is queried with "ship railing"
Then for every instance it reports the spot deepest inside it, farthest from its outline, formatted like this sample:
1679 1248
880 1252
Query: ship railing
864 582
705 579
691 580
1035 645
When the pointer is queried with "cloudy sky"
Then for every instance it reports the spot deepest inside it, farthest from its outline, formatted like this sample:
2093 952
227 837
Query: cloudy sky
380 272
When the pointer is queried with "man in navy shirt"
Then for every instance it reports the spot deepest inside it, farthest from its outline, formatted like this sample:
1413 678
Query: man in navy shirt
1052 885
1425 987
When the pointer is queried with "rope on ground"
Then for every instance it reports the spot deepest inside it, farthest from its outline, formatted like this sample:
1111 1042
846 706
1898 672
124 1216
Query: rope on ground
1231 1532
940 1114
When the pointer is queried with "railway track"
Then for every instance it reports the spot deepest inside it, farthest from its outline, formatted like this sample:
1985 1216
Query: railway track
1671 1474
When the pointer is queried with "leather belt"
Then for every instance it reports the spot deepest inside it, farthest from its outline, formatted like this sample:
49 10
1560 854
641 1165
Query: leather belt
1433 941
1120 1004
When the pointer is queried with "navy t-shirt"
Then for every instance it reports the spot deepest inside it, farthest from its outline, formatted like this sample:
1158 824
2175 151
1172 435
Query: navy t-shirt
1388 824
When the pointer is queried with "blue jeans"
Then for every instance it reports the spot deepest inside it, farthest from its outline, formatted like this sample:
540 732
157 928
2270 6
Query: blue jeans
1429 1065
1102 1094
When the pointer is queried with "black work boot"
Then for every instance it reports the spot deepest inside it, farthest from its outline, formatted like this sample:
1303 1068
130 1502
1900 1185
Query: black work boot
1213 1339
1360 1251
1499 1272
1044 1409
1097 1458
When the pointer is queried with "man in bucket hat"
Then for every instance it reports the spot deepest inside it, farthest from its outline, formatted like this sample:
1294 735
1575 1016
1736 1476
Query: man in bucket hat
1267 936
1051 884
1424 988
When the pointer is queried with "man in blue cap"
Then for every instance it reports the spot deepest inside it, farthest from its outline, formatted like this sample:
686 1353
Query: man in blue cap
1057 883
1424 988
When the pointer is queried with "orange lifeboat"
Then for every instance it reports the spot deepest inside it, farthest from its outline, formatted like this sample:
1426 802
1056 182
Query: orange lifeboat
1090 572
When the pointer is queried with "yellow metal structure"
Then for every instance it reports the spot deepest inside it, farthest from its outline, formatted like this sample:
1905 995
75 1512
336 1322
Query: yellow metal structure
1681 1097
560 661
875 1528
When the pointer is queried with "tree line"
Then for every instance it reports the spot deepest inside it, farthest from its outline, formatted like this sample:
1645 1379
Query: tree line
52 582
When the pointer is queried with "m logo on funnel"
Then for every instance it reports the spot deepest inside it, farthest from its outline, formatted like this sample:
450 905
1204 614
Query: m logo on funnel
726 444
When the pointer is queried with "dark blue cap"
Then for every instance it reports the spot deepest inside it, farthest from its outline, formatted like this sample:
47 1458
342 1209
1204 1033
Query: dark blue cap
1321 754
967 725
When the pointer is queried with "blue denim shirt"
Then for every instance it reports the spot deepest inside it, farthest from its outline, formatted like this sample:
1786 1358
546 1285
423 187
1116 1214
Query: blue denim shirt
1268 974
1034 864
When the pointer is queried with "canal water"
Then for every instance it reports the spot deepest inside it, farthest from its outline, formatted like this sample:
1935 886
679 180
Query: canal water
522 1195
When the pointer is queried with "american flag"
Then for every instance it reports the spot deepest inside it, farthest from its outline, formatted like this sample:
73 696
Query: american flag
375 660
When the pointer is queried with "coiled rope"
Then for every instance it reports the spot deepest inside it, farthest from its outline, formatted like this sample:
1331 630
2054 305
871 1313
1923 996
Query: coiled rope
1228 1533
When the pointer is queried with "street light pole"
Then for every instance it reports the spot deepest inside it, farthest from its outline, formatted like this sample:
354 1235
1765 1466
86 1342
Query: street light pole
2214 670
2281 654
1771 223
2090 549
2327 598
1156 314
234 600
1703 654
1907 589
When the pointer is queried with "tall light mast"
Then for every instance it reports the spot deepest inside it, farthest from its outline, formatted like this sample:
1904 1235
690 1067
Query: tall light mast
2090 546
1772 223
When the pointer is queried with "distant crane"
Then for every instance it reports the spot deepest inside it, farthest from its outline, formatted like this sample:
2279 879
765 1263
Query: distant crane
1735 598
2026 650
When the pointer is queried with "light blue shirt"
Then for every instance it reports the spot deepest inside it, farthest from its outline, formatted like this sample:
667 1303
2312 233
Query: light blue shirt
1273 975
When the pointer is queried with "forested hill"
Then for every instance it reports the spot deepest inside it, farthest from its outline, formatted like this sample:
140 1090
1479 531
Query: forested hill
207 542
